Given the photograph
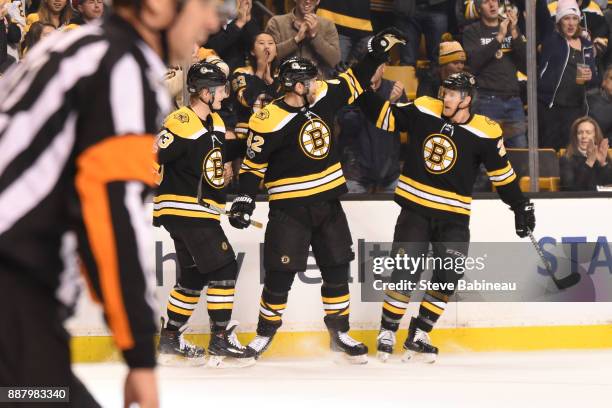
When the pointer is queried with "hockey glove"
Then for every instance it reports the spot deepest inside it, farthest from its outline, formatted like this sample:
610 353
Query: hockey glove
241 211
524 218
380 45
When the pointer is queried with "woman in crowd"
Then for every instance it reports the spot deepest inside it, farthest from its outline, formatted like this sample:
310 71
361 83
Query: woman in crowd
55 12
567 66
37 32
587 162
255 85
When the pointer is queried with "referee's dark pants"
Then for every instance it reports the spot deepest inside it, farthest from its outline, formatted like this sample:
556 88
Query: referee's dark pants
34 346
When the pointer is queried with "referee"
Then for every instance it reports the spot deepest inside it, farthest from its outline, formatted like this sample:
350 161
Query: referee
77 124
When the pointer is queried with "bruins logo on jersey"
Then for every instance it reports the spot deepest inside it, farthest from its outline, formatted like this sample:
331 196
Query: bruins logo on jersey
213 169
314 139
440 153
181 117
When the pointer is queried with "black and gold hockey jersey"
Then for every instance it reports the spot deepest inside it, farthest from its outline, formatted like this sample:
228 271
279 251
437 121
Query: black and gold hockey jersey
293 149
246 88
191 152
443 158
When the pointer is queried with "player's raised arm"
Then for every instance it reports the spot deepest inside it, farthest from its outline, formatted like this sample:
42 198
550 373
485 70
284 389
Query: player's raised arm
347 86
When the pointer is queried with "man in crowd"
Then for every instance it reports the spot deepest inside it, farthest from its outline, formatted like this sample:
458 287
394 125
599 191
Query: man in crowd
451 60
600 104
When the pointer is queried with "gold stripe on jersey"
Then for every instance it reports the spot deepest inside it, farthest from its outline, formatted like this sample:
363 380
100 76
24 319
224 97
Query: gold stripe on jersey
346 21
432 197
184 199
353 84
502 176
270 119
308 185
255 168
242 130
386 119
183 206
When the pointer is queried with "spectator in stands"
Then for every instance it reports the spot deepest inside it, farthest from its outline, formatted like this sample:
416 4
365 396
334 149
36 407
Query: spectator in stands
254 85
466 12
567 65
37 32
430 18
55 12
451 60
87 11
10 33
233 42
496 51
586 163
352 20
370 157
600 104
593 23
301 32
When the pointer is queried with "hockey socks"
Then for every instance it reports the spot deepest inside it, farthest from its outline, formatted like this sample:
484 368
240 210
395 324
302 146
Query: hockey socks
431 309
220 302
394 308
181 304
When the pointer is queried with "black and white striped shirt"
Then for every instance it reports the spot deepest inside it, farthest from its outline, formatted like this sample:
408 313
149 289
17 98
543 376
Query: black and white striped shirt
77 119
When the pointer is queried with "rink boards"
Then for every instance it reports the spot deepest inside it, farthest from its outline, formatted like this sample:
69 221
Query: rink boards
463 326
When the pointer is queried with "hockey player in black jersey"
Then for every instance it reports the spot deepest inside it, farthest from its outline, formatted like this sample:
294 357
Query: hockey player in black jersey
291 148
447 145
192 150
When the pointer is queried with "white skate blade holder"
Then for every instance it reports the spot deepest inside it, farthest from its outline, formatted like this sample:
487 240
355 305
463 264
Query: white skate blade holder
382 356
344 359
414 357
173 360
221 362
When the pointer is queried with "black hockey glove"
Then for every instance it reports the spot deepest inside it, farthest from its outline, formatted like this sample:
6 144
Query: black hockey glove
524 218
241 211
380 45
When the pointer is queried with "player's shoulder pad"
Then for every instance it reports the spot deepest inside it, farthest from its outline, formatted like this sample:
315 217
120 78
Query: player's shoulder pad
270 119
322 88
243 70
218 124
183 123
484 127
429 105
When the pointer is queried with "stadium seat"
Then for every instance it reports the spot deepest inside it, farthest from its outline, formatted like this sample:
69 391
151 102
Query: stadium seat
406 75
545 183
548 172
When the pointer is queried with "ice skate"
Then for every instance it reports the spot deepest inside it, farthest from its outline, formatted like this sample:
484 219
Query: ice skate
349 349
385 344
258 345
225 350
418 346
174 350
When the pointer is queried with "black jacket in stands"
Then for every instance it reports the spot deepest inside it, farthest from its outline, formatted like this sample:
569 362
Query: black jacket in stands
77 122
293 149
191 152
576 175
442 159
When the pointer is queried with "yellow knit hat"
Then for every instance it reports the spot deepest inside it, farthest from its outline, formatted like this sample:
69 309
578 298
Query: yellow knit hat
451 51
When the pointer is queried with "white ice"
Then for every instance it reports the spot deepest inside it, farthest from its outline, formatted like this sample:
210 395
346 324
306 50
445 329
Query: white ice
517 380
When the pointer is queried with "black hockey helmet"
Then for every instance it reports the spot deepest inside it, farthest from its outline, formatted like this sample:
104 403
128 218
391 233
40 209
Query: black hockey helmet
461 81
204 75
295 70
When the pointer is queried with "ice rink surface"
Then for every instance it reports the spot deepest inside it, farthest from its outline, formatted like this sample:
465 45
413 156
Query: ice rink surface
517 380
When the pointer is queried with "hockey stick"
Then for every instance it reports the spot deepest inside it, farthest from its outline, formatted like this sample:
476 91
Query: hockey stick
563 283
222 211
